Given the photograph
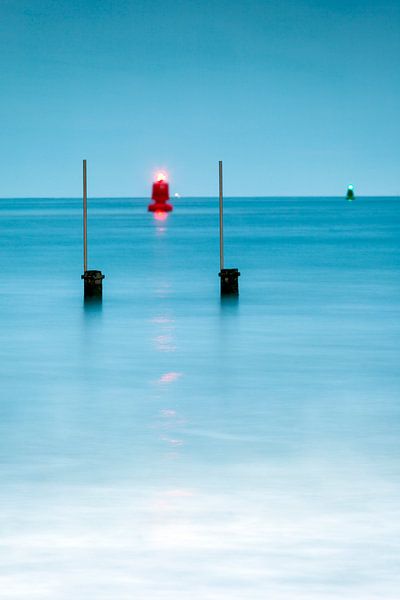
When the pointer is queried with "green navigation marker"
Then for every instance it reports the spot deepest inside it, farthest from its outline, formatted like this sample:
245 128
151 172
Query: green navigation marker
350 193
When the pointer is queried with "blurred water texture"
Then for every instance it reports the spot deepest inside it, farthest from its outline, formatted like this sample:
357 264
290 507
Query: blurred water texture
167 445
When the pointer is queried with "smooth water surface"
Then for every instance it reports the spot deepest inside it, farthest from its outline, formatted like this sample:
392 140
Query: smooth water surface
167 445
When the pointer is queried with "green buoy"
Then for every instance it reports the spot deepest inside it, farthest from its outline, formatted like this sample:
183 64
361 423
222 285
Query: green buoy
350 193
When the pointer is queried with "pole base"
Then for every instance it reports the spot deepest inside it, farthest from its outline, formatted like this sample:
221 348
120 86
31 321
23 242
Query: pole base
93 284
229 282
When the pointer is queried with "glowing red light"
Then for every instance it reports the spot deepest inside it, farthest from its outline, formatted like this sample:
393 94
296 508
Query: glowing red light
161 176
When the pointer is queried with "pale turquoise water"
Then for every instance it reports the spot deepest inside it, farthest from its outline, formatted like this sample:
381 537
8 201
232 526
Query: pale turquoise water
167 446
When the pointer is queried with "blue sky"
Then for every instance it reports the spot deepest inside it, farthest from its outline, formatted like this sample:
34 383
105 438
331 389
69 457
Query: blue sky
296 97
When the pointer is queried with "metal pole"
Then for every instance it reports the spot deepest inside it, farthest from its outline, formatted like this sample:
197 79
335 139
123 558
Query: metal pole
84 218
221 220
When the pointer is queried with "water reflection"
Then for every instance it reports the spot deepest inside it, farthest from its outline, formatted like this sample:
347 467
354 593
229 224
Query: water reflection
229 304
160 216
169 377
160 220
92 305
164 341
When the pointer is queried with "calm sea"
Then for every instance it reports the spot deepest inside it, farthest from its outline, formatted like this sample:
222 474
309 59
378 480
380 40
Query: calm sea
167 445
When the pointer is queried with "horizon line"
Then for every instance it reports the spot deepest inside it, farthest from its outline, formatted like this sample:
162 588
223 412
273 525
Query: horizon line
189 197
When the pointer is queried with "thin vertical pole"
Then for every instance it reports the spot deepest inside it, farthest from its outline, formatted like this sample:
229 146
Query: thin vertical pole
221 220
84 218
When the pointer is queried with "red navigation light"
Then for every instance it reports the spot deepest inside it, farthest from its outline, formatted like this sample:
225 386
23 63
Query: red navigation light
160 195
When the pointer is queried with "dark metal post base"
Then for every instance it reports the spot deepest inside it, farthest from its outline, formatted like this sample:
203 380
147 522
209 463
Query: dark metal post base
92 284
229 282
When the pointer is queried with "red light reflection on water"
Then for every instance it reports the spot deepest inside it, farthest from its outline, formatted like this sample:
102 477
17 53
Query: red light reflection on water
160 216
169 377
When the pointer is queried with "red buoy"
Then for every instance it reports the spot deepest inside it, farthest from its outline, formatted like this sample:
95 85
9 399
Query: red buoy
160 195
